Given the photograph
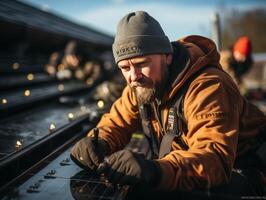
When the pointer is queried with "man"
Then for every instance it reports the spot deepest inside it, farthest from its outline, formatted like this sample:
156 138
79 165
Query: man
238 61
217 124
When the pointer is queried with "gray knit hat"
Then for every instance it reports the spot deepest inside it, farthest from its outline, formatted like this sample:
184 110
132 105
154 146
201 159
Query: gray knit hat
139 34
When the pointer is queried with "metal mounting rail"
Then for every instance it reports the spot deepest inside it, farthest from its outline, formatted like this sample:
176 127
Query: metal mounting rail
18 104
17 162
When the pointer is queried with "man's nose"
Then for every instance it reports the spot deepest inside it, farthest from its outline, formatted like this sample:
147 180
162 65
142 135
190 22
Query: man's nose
135 74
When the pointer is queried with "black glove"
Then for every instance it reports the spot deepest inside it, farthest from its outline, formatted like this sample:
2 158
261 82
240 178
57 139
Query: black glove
128 168
88 153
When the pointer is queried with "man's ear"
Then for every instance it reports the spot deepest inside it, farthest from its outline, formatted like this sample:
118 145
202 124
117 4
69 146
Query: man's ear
169 58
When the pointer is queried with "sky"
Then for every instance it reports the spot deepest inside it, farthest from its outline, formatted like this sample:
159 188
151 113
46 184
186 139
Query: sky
178 18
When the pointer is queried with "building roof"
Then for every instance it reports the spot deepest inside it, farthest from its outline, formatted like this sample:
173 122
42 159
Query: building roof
21 13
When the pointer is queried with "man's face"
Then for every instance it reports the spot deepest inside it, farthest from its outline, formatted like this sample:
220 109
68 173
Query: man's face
239 57
145 74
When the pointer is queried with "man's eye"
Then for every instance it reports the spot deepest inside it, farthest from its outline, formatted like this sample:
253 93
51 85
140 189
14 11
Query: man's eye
125 69
145 64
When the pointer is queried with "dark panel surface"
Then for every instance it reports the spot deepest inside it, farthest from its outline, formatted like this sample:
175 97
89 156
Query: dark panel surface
32 125
62 179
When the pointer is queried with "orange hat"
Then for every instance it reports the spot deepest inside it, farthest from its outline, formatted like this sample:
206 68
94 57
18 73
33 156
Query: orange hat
243 45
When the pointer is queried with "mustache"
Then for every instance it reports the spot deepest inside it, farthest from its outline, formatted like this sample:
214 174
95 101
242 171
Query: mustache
137 84
142 82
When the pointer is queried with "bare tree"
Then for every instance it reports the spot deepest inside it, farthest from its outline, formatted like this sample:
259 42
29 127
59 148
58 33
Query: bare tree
251 23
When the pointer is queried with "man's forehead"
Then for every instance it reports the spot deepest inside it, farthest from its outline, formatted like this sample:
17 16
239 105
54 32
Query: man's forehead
135 60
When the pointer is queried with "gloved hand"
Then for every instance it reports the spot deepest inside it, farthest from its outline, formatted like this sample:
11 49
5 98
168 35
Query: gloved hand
128 168
88 154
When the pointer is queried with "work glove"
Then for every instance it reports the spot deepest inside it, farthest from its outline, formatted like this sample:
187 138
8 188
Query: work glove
88 153
128 168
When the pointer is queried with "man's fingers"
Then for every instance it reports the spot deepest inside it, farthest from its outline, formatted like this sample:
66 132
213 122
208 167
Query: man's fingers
87 153
79 162
103 168
81 158
115 176
111 168
109 171
95 158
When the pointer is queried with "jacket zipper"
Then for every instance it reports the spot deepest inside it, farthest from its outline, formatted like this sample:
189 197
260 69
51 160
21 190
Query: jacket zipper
155 108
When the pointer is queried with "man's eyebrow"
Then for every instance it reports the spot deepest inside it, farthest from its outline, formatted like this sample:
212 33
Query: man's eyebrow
140 60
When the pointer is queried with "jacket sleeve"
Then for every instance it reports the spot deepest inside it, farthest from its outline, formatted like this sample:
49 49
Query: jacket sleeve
117 126
212 109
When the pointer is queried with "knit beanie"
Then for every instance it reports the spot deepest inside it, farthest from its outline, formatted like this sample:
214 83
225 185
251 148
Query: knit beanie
243 46
139 34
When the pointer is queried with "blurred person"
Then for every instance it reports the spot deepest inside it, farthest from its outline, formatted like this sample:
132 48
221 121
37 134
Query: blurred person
202 133
238 61
92 70
81 63
54 61
73 62
72 55
61 62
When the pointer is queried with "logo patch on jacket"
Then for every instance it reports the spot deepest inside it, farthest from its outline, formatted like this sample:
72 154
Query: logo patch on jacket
171 120
174 125
212 115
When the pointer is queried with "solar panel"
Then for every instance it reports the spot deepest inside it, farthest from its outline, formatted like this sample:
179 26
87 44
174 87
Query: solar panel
63 179
60 178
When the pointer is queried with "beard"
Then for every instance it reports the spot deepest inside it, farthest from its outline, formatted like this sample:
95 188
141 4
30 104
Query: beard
144 90
144 95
